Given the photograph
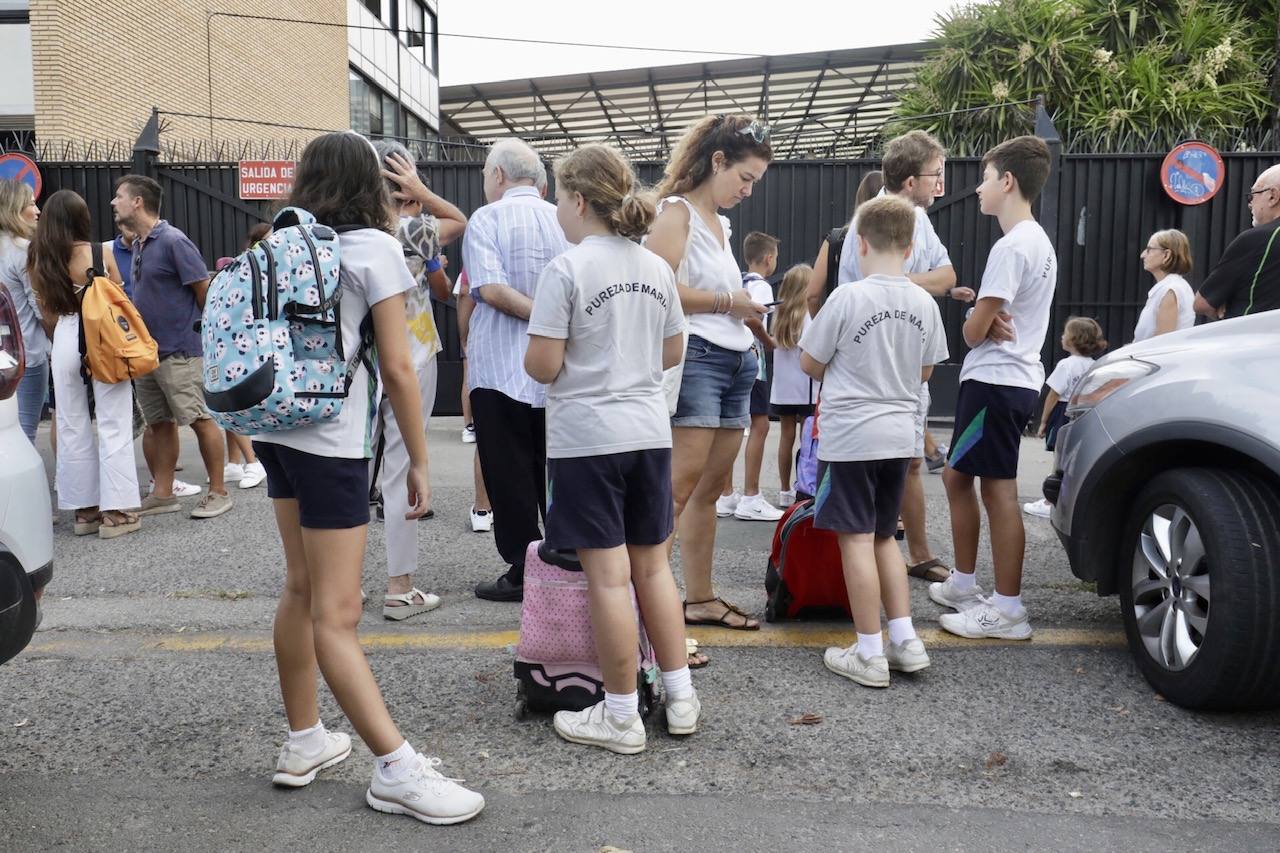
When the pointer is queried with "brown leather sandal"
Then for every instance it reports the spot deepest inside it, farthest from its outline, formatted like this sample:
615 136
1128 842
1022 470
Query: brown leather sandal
723 620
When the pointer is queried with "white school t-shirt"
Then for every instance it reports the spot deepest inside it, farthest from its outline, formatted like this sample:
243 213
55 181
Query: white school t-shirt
875 337
613 303
373 269
791 385
1146 327
1067 374
1022 271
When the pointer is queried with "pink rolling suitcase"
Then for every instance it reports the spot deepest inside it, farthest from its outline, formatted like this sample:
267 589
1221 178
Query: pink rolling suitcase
556 666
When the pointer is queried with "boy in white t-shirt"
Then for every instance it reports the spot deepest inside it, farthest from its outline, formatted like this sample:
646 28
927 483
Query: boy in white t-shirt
872 344
999 387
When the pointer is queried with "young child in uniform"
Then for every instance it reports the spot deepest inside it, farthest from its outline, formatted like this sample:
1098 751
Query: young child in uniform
999 387
1083 341
606 322
793 393
872 344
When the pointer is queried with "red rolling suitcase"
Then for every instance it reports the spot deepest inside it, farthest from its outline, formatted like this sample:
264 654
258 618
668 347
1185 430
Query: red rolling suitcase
804 576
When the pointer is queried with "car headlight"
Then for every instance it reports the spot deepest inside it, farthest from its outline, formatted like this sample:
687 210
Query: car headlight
1103 381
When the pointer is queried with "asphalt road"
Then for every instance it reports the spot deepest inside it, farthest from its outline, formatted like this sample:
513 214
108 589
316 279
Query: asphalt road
145 716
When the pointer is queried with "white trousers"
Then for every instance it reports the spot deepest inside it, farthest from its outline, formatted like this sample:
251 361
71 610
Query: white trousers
93 469
401 535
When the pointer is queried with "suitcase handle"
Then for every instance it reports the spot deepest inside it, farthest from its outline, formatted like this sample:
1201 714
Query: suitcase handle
567 559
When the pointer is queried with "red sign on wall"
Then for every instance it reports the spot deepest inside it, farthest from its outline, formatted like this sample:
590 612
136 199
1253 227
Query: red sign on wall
261 179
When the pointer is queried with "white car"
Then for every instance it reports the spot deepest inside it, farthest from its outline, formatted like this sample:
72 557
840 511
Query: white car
26 517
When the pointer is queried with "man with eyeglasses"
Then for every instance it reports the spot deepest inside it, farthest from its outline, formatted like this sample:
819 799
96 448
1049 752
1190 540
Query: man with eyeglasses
913 169
1246 279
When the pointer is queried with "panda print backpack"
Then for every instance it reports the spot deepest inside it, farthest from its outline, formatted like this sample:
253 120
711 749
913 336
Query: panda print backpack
271 332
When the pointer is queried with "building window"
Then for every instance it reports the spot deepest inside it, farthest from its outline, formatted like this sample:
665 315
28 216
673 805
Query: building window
373 111
374 6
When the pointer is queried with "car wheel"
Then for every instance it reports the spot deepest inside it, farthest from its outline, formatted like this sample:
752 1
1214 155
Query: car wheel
1200 588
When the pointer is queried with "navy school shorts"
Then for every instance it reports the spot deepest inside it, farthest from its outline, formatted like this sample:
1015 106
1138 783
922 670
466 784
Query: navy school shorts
611 500
988 429
332 493
860 497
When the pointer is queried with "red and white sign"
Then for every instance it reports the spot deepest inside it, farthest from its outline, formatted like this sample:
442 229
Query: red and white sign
261 179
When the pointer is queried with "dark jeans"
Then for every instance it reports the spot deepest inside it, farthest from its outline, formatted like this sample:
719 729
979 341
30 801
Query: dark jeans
511 438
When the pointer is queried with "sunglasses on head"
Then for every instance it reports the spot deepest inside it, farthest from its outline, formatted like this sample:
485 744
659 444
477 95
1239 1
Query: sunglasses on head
757 131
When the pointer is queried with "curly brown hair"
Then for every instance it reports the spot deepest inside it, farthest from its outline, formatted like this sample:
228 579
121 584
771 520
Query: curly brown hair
339 181
690 162
1084 334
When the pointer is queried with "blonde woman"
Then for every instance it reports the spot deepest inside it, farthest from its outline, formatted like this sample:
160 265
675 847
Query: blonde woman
18 217
1170 301
714 167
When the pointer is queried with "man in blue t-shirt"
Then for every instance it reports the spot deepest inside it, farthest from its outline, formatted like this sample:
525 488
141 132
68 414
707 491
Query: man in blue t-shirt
170 280
122 248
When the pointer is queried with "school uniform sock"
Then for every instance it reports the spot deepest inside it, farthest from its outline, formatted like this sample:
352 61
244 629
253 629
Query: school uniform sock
870 645
678 683
1009 605
962 582
901 630
395 764
310 741
622 706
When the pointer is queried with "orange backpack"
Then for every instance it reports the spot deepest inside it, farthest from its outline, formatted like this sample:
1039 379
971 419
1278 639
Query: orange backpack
115 345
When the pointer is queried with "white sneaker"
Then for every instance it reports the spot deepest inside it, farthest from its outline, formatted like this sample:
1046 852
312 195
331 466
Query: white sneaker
847 662
756 508
683 714
946 594
469 434
908 656
594 727
181 489
295 769
726 504
252 475
1040 509
786 499
988 621
232 472
481 520
425 794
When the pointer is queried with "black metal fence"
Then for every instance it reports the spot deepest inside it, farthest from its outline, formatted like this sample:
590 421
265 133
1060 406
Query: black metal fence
1108 205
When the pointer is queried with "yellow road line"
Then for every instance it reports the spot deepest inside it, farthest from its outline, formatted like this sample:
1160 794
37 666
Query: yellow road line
794 635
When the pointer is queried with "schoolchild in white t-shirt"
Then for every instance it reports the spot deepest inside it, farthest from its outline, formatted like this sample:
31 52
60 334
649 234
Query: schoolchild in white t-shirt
999 387
793 393
606 322
318 480
1083 341
871 345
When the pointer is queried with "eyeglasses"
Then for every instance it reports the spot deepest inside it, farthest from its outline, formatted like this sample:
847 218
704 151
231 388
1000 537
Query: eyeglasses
1155 249
937 176
757 131
1252 193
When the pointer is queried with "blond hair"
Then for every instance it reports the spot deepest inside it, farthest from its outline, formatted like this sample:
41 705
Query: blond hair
1178 246
690 163
887 223
788 323
605 178
1084 334
14 198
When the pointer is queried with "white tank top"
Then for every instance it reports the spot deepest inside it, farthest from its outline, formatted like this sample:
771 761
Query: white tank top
709 265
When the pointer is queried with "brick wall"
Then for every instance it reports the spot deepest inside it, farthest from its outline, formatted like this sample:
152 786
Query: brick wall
99 68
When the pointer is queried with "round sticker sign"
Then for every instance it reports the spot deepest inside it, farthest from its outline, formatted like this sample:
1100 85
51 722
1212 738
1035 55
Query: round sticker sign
19 167
1192 173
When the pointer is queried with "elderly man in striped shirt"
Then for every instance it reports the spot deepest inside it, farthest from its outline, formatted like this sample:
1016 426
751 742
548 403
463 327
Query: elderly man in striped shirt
508 243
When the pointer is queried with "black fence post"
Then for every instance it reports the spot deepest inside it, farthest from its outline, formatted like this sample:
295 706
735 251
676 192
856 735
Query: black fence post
1049 195
147 148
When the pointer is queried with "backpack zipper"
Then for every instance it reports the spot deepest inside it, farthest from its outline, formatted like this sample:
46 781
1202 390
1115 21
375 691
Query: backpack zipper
273 287
315 265
257 287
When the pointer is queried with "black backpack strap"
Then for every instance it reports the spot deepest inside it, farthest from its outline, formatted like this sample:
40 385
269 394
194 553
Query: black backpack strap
97 269
835 247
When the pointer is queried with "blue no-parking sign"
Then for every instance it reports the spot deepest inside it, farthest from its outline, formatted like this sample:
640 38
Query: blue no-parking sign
20 167
1192 173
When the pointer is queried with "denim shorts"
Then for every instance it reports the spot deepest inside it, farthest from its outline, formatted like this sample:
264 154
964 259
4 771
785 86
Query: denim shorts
715 390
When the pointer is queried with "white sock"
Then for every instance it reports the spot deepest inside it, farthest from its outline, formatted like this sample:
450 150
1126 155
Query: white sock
310 741
678 683
1009 605
394 765
901 630
870 645
962 582
622 706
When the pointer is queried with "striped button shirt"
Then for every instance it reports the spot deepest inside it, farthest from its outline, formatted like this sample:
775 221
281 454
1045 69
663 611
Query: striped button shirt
507 242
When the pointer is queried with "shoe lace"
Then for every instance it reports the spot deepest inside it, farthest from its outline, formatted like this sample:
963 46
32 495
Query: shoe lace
425 769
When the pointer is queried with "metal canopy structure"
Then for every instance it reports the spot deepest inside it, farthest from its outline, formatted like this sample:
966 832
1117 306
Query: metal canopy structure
830 104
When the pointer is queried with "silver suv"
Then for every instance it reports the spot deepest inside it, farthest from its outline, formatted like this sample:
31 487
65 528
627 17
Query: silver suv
1166 490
